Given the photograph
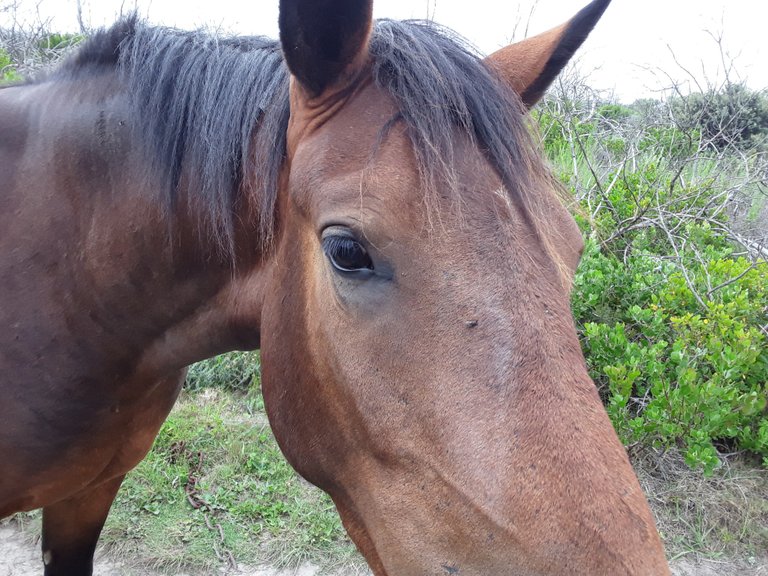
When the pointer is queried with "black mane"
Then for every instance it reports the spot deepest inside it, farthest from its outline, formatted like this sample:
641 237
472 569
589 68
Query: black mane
218 108
103 48
213 109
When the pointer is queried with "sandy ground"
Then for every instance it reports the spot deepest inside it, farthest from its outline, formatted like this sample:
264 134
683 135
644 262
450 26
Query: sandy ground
20 556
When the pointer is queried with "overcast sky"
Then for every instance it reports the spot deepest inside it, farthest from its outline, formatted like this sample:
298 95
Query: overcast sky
634 40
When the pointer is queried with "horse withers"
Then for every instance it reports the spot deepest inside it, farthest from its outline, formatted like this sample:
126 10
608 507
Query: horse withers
380 224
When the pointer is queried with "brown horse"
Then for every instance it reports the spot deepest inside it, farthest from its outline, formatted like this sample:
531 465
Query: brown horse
386 232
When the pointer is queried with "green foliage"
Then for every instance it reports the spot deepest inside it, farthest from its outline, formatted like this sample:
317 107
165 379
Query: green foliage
8 71
734 116
614 112
59 42
673 319
669 142
670 372
557 136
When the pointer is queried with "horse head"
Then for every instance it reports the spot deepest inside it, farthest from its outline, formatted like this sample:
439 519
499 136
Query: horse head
420 361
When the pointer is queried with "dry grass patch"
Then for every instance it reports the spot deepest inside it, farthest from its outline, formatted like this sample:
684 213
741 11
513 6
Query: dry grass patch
717 516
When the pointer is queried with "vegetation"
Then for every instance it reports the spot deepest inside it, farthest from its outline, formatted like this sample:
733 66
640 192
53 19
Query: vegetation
671 297
7 69
728 117
24 51
672 372
215 488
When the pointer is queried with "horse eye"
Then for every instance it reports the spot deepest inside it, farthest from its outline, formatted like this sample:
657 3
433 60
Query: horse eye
346 254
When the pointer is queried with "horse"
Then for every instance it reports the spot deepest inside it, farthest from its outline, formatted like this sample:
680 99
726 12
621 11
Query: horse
364 203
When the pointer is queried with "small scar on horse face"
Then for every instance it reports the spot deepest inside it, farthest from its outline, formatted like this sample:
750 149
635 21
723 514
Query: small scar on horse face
450 569
470 323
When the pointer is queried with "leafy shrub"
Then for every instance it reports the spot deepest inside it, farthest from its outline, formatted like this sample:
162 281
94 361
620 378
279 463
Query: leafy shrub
671 297
732 116
8 72
670 372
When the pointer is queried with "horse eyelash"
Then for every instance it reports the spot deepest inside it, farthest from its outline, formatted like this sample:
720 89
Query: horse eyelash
334 244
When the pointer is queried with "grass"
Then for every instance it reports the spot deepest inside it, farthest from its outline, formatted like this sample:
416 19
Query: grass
216 489
722 515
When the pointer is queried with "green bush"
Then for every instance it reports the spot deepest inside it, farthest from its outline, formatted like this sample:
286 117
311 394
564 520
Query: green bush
670 372
672 314
8 71
728 117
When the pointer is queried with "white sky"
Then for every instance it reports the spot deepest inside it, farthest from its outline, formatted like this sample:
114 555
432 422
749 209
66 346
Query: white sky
634 40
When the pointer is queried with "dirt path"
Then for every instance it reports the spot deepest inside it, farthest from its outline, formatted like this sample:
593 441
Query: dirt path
20 556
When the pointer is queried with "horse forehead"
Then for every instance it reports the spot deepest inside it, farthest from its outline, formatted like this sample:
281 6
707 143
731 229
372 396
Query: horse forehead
340 147
359 154
345 121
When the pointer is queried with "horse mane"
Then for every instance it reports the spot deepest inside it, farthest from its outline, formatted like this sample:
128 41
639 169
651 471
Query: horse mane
101 49
215 109
210 109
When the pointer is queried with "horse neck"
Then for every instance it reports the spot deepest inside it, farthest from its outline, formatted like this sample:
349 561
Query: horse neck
186 296
127 284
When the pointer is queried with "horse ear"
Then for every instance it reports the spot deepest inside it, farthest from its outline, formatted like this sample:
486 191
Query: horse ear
531 65
324 40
